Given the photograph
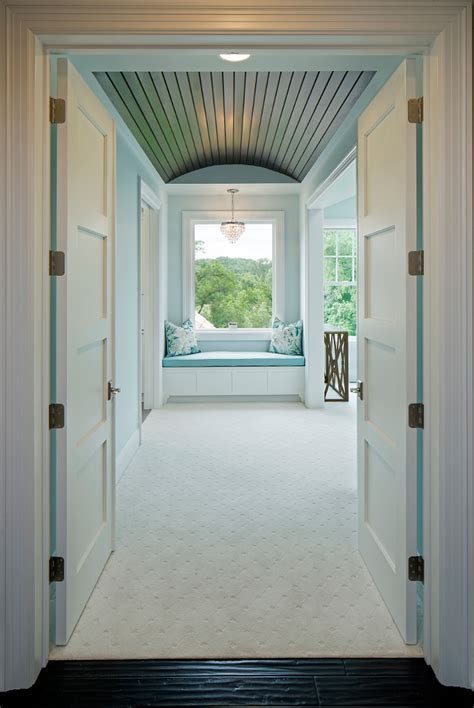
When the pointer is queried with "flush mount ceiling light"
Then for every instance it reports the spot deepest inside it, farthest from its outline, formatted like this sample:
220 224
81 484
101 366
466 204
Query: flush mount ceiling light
232 229
234 56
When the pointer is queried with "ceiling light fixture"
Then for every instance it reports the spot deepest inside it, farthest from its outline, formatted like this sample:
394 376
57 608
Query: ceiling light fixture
232 229
234 56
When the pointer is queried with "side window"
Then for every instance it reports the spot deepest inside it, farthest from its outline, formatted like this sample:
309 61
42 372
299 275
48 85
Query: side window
340 279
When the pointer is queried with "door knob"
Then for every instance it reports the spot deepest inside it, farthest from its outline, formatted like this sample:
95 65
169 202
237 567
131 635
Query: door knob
358 387
111 390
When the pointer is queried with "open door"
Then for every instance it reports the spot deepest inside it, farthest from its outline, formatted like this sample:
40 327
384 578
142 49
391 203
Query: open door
85 345
146 308
387 464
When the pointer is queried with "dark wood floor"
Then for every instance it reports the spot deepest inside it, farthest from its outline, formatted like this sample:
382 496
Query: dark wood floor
402 683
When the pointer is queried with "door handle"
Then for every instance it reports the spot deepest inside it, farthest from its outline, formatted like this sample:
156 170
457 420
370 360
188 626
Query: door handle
358 387
111 390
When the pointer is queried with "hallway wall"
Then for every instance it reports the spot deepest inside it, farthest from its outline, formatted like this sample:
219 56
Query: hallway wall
130 169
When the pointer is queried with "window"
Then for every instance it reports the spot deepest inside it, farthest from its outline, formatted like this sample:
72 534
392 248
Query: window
233 283
340 278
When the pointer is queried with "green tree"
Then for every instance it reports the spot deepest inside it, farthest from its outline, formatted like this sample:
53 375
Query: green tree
234 289
340 308
214 283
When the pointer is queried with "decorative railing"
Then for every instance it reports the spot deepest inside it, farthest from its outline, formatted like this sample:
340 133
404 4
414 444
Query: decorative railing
336 372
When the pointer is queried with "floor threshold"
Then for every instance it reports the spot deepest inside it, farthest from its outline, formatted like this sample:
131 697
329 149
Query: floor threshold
399 683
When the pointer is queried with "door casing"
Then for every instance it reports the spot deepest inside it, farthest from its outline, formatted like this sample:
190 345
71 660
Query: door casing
156 306
32 30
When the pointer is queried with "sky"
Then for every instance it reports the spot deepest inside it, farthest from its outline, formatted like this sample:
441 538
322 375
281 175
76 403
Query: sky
255 242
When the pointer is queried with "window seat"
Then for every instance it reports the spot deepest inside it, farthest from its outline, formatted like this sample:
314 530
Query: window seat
221 374
228 358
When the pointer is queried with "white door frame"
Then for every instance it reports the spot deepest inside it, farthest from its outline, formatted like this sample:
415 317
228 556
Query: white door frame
24 239
148 196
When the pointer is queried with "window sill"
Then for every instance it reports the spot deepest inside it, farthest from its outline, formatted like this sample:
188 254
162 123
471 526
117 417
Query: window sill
238 333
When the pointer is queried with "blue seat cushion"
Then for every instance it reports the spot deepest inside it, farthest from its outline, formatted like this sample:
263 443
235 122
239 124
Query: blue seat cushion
233 359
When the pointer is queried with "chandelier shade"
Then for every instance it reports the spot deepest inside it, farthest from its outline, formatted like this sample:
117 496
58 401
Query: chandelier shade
232 229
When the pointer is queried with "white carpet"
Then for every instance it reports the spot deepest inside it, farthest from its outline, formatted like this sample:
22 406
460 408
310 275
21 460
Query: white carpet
236 537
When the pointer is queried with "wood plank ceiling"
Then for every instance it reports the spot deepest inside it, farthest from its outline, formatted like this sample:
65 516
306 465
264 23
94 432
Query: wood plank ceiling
278 120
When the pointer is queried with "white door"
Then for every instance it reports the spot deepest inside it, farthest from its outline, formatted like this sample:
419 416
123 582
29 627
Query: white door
85 347
387 464
146 299
143 239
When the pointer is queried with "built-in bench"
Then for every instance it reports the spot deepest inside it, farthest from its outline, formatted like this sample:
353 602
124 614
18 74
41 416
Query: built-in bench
230 373
232 359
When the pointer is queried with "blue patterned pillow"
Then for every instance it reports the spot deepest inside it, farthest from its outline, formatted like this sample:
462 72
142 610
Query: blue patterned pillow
287 338
180 340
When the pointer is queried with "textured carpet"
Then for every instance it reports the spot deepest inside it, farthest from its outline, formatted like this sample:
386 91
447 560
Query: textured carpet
236 538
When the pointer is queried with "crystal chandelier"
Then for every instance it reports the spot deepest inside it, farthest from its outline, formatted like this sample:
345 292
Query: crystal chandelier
232 229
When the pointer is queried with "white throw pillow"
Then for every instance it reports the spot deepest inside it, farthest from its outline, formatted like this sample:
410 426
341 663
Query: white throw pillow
287 338
180 340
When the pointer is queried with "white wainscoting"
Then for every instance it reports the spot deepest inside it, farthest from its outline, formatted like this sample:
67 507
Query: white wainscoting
234 381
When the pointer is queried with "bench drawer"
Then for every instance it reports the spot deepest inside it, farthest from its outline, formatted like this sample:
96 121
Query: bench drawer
286 380
214 382
249 382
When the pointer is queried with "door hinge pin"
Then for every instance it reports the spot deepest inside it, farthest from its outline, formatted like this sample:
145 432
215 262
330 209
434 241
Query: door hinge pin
57 110
56 569
416 263
416 568
415 110
57 263
56 416
416 415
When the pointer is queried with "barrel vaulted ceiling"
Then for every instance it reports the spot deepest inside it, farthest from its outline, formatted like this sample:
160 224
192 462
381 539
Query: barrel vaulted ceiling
278 120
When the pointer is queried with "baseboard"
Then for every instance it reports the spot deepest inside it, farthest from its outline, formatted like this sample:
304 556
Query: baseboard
289 398
126 455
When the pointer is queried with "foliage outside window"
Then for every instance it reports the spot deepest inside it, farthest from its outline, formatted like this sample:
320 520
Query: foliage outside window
340 279
233 282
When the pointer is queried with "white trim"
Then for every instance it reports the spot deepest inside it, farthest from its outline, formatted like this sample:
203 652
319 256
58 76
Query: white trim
290 398
158 275
43 228
191 218
314 201
448 353
126 455
148 195
313 307
4 653
388 28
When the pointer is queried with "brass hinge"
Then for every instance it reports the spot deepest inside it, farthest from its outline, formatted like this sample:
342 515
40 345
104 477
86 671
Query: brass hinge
416 568
57 263
415 110
57 110
56 416
416 415
56 569
416 263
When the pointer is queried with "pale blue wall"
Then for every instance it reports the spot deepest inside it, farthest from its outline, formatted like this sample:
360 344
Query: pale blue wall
346 209
237 174
130 168
287 203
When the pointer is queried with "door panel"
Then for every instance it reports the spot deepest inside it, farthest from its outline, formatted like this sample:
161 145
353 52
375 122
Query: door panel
387 344
85 454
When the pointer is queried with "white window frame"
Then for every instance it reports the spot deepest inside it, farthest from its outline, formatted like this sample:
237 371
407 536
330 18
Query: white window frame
189 221
342 283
